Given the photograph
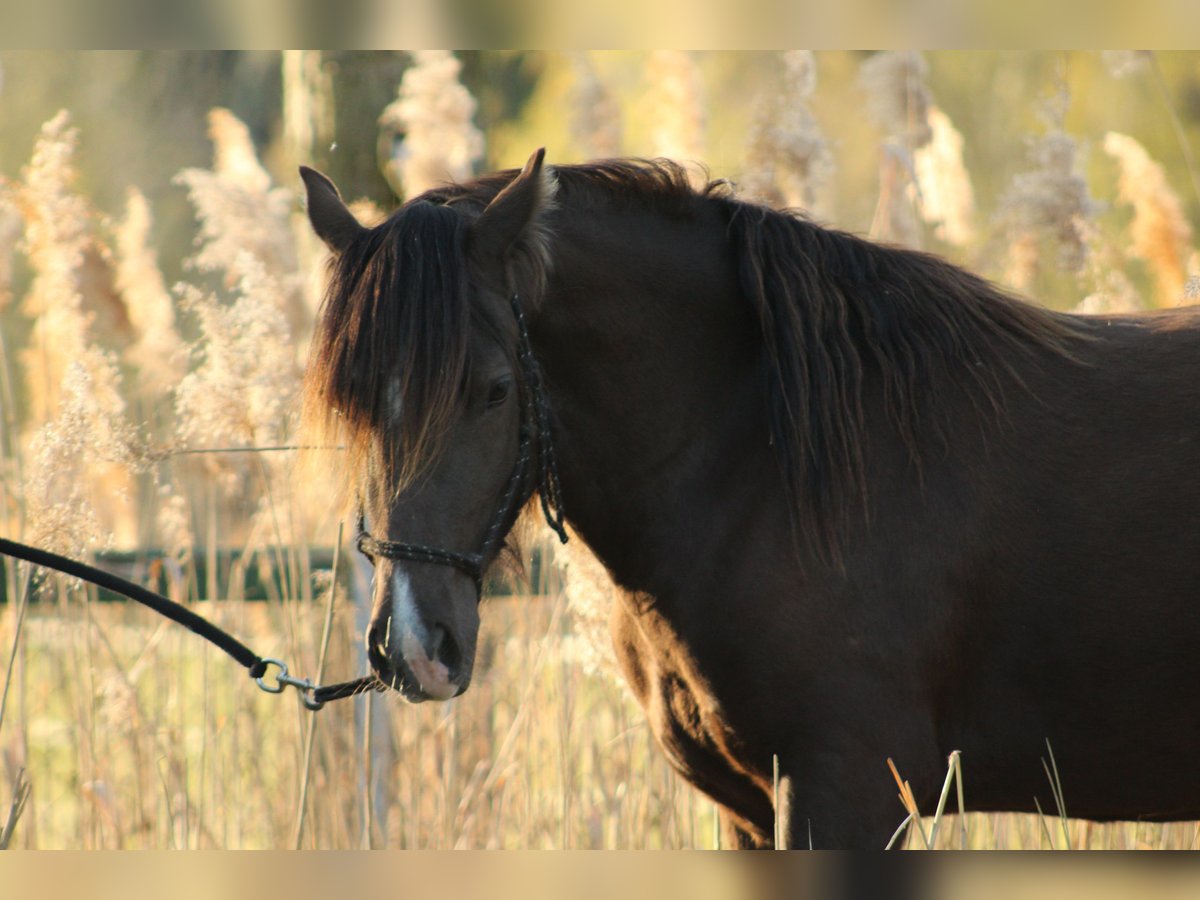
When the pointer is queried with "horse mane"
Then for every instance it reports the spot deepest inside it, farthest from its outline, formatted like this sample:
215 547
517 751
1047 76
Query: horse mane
834 309
659 184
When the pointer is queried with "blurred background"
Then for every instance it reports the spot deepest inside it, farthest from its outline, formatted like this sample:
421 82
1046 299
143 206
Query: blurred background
158 284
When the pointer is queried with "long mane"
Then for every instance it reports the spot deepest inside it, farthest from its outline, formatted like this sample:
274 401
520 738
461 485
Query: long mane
834 310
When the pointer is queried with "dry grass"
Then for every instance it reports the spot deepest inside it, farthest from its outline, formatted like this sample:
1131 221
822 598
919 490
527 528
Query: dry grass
136 735
948 829
1161 234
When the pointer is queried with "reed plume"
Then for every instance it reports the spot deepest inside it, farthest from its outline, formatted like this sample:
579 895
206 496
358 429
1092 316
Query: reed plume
81 448
246 379
158 353
1160 232
245 374
244 222
788 159
943 189
899 102
922 174
1049 200
595 113
897 97
241 393
427 134
76 487
590 594
57 225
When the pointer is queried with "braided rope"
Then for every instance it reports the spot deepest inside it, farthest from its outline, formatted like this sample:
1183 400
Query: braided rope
549 486
471 564
509 501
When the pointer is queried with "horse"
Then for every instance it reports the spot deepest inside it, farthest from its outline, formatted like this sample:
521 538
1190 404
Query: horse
860 504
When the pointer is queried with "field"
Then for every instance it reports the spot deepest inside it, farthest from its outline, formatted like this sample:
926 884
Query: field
147 392
136 735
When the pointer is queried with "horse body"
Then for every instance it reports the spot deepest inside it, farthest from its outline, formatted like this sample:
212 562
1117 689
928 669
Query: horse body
994 599
1080 622
995 540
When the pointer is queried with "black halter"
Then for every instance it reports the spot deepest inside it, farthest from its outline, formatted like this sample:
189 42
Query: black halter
535 420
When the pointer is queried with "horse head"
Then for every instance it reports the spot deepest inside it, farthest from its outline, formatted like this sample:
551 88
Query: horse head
421 366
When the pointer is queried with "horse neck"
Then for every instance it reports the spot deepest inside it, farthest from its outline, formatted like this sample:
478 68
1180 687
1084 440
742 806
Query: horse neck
651 363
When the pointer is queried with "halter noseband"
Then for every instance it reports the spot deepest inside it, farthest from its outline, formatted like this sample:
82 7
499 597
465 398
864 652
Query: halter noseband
535 420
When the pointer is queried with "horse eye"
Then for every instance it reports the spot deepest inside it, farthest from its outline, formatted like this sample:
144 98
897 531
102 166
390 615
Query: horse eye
498 393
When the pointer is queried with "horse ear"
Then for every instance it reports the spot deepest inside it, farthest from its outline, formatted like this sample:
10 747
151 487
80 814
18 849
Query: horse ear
509 220
331 220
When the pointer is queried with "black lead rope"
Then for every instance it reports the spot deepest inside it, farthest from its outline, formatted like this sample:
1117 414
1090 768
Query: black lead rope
315 696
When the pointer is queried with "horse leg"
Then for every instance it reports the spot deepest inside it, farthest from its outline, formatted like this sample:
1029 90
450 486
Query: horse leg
837 792
818 812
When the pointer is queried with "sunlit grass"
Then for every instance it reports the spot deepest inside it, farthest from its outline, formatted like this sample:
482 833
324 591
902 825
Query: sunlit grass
135 734
138 735
946 829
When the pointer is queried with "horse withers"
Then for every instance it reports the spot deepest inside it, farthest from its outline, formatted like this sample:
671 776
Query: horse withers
860 503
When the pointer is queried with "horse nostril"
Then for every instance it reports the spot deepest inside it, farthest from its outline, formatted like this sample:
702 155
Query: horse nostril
377 651
444 649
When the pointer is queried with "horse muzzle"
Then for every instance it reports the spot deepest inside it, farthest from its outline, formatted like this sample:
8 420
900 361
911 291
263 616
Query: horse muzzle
420 658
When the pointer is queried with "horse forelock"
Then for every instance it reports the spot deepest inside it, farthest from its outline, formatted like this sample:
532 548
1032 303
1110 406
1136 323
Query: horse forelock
389 355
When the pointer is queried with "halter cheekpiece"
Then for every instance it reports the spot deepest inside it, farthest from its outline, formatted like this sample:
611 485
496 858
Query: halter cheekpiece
535 420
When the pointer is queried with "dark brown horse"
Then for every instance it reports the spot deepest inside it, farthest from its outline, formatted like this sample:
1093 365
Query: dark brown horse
861 503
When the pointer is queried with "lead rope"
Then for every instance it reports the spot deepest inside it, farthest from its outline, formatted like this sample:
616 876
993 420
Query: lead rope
314 696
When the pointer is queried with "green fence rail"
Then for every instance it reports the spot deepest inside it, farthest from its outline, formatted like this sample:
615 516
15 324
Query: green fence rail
254 576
